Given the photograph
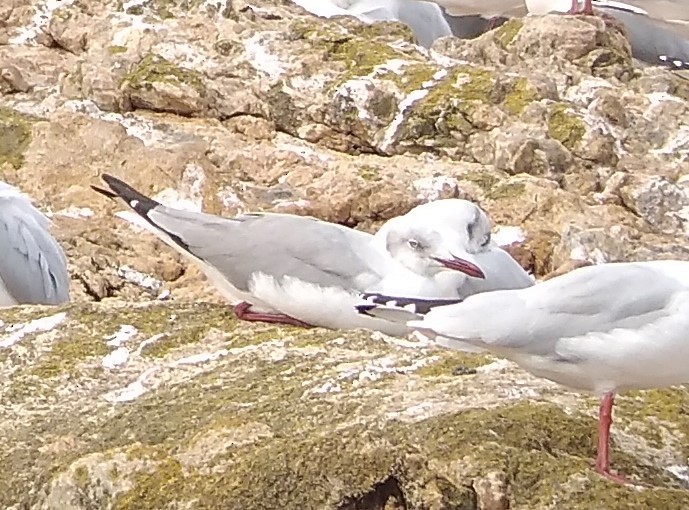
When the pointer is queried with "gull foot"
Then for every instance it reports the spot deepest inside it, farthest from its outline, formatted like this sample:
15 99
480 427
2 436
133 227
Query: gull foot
587 9
616 478
242 311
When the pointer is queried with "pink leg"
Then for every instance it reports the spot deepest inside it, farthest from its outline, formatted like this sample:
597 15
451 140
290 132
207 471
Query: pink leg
242 312
587 9
603 456
492 23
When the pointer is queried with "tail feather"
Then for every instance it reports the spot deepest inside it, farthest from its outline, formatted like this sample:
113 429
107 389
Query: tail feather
398 309
411 311
140 203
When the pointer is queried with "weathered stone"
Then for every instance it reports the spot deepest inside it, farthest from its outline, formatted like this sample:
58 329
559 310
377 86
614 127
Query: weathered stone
11 80
69 27
124 405
660 202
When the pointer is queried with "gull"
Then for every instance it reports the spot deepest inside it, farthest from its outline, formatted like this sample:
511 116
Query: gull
604 329
33 268
305 272
427 20
658 33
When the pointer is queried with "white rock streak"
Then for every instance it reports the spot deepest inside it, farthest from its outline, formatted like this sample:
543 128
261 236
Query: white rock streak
19 331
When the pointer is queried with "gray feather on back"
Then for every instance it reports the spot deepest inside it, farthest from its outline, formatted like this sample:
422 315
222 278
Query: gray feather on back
596 299
274 244
33 266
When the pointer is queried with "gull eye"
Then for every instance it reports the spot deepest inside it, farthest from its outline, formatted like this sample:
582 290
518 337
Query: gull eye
414 244
486 240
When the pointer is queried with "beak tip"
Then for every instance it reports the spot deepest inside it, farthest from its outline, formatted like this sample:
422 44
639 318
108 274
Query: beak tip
463 266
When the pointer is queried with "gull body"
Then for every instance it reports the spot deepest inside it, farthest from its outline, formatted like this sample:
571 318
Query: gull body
427 20
603 329
33 268
303 271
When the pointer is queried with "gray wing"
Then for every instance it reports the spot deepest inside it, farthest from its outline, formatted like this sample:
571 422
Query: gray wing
654 41
484 7
471 26
588 300
661 9
32 264
424 18
502 273
278 245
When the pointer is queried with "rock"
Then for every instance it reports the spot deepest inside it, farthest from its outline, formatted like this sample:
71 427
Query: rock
544 122
146 406
660 202
11 80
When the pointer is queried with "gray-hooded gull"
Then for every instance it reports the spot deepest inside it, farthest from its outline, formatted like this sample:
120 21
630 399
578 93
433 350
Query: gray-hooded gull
302 271
33 268
605 329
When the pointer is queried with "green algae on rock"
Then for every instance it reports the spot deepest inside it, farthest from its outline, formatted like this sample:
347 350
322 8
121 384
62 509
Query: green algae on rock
564 126
15 136
520 96
506 33
449 361
160 85
264 417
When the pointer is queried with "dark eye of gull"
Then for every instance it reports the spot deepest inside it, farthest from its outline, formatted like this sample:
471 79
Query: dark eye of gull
486 240
414 244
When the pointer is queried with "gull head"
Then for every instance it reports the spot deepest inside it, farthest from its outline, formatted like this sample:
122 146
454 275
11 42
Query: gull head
439 236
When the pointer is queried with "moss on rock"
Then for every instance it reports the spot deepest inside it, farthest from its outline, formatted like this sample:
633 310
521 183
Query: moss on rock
291 418
447 106
364 50
116 50
154 68
450 362
15 136
520 96
509 190
506 33
565 127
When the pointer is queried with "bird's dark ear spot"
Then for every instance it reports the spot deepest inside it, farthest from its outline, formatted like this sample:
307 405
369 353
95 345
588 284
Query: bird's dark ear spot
471 226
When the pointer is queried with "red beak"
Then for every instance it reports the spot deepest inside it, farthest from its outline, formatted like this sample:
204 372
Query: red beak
461 265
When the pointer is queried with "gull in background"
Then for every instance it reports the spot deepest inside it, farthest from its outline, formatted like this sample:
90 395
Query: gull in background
427 20
33 268
302 271
604 329
658 32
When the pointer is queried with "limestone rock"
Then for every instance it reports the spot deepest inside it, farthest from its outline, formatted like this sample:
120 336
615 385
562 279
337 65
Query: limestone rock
121 405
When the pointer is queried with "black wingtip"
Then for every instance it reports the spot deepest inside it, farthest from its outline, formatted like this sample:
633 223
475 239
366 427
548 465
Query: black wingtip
673 63
365 309
105 192
141 204
421 305
137 201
